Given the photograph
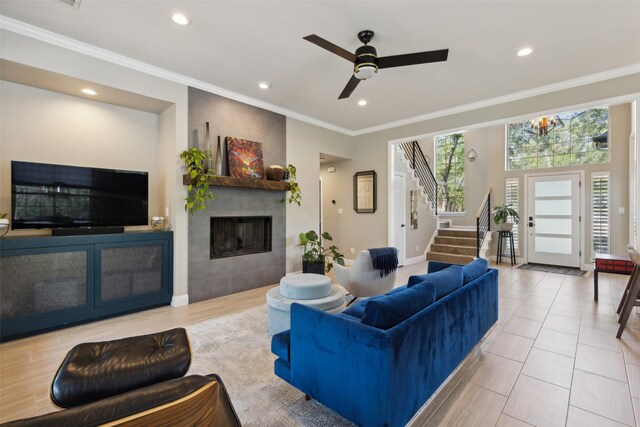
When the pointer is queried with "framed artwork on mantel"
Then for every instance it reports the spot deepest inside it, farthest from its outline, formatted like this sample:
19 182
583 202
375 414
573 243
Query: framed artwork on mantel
245 158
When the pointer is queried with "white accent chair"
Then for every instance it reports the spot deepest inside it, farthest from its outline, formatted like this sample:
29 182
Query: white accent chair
362 280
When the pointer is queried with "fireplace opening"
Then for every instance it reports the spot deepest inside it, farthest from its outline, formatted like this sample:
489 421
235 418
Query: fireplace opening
244 235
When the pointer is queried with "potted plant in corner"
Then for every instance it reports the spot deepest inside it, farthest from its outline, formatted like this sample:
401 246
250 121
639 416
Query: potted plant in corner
502 213
198 189
314 256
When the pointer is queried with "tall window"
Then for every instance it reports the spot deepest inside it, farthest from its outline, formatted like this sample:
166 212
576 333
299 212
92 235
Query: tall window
512 197
580 138
450 172
600 212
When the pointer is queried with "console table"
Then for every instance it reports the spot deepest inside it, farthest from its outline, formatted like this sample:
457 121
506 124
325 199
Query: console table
52 282
605 263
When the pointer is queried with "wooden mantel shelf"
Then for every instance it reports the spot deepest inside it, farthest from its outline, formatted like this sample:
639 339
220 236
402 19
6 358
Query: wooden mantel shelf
229 181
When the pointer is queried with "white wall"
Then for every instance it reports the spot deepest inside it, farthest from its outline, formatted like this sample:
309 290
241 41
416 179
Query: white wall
171 128
48 127
370 151
305 142
416 240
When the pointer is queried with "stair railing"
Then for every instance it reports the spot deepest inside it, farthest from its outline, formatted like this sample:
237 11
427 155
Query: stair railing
419 164
483 221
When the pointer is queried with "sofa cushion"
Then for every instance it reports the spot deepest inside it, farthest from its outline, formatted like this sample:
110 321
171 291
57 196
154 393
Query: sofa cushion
280 344
357 309
391 309
445 281
474 269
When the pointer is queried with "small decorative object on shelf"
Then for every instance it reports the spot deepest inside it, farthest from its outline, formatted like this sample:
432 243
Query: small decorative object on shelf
217 159
4 225
208 165
275 173
158 223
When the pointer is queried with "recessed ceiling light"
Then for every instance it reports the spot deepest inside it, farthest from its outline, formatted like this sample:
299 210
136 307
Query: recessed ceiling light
362 102
525 51
89 92
180 19
264 85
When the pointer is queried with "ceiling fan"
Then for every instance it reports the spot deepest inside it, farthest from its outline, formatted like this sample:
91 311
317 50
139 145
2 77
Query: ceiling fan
367 63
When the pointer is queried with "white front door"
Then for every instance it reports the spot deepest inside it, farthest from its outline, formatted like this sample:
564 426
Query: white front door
399 221
553 220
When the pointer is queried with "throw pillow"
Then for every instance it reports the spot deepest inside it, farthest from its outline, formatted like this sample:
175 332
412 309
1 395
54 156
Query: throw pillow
474 269
391 309
445 281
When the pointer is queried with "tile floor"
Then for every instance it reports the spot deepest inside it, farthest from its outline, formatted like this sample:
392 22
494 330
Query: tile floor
551 360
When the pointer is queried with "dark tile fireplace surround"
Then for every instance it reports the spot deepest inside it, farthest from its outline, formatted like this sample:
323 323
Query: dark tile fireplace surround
237 243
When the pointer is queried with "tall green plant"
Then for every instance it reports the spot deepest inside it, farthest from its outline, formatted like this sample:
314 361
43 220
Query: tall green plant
198 189
314 251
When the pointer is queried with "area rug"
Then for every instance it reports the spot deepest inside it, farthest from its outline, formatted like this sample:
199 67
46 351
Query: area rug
238 348
571 271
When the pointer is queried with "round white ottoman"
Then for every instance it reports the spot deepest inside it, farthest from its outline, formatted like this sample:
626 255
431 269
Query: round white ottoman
314 290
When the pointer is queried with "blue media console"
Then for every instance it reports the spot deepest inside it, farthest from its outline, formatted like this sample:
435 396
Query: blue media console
49 283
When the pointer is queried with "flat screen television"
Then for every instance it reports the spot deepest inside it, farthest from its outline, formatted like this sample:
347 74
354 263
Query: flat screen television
58 196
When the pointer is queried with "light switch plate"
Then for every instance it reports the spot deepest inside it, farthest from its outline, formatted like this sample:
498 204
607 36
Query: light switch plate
340 211
621 211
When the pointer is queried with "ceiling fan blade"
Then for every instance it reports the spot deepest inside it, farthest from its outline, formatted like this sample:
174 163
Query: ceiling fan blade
349 88
413 58
319 41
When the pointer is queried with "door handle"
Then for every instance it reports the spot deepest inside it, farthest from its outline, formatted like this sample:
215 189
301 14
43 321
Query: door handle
402 225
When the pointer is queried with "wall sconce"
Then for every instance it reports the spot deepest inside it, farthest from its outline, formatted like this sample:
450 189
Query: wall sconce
331 169
472 155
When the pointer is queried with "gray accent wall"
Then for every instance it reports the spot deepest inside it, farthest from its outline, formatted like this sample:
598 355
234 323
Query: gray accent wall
211 278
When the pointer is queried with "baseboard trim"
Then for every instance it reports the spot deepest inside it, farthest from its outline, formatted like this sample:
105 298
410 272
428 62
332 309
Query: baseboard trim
180 300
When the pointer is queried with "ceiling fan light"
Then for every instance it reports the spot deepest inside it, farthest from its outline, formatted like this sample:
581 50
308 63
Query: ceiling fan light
365 72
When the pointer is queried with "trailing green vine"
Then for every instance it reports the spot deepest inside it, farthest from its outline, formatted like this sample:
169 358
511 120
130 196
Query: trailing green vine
198 189
295 196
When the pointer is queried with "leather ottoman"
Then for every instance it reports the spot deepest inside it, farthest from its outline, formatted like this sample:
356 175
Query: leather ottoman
95 371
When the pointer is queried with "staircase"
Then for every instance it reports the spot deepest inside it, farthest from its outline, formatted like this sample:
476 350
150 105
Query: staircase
454 245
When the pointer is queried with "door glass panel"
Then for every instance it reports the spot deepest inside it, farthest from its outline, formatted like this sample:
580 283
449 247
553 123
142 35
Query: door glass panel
553 226
553 207
556 245
553 188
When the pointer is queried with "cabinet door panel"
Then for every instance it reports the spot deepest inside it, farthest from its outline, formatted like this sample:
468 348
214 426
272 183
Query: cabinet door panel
130 272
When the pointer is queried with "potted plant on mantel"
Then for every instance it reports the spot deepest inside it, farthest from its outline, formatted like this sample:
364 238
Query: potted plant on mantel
502 213
198 190
4 224
295 196
314 256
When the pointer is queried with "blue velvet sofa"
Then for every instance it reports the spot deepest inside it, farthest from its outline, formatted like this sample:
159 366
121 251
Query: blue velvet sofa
381 375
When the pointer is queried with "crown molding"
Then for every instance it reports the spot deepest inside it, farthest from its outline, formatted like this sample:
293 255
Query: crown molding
46 36
516 96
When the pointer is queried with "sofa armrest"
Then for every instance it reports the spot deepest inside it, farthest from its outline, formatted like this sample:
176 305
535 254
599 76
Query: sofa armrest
341 363
342 274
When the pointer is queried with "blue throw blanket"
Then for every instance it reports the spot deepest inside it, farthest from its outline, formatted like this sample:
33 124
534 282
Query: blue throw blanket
385 260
